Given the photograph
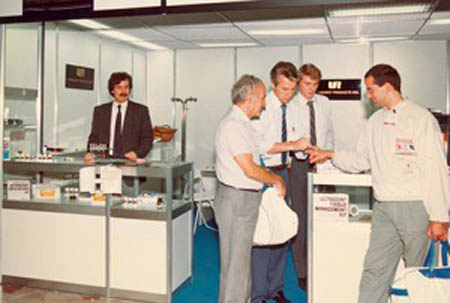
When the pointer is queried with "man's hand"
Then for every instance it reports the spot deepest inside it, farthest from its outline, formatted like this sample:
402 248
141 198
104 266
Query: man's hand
131 155
437 231
319 155
89 158
301 144
280 186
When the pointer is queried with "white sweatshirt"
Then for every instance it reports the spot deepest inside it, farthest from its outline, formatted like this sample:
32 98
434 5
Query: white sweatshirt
404 150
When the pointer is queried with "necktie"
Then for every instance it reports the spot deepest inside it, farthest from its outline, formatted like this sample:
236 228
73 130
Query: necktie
118 134
312 123
283 133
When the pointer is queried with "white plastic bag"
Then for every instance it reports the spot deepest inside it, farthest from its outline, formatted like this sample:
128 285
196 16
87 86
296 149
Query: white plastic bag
277 223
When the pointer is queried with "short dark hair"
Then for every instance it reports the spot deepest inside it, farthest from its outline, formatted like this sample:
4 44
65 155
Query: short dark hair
283 68
310 70
116 78
384 73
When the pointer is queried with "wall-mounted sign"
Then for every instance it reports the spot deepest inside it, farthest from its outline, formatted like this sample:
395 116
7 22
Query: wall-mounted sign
79 77
191 2
124 4
30 6
10 8
340 89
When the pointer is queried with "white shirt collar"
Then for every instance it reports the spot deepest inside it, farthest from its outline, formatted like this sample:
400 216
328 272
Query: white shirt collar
239 113
303 100
123 105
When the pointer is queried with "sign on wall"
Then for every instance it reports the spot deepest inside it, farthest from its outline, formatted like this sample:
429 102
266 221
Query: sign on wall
191 2
52 5
124 4
79 77
10 8
340 89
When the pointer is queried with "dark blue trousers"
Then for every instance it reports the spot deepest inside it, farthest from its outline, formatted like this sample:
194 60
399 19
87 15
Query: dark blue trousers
269 264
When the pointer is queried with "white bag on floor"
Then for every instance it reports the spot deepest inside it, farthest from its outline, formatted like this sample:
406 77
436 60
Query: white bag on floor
425 284
277 223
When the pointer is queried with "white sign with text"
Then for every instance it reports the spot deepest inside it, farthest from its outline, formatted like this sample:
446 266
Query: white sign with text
330 207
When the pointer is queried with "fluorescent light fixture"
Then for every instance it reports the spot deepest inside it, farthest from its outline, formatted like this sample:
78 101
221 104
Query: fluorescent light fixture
148 45
118 35
364 40
413 8
89 24
287 32
105 30
239 44
439 21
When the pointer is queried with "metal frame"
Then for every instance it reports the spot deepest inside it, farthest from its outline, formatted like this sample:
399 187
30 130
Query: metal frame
2 105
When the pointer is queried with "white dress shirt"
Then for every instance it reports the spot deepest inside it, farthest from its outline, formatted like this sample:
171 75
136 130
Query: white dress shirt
268 127
404 150
235 136
324 123
112 126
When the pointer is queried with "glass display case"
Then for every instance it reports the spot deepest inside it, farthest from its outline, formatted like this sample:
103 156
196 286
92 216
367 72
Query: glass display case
59 238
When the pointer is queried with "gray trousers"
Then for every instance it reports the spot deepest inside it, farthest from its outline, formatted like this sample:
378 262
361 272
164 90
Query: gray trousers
236 213
398 230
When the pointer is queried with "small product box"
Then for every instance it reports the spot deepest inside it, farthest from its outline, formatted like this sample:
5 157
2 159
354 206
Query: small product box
46 192
19 190
6 149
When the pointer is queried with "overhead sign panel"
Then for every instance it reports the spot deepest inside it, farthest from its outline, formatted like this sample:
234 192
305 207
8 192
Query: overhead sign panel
124 4
10 8
192 2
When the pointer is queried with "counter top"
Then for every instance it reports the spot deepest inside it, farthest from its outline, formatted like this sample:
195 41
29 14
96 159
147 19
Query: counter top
157 169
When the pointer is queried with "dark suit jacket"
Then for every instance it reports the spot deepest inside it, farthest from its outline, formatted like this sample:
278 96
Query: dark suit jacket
137 131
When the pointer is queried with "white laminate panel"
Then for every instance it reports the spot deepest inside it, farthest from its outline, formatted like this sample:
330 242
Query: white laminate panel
182 246
51 246
138 255
259 61
423 68
139 77
208 76
338 254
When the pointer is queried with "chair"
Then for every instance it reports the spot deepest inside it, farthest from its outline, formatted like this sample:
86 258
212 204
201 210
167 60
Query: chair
202 199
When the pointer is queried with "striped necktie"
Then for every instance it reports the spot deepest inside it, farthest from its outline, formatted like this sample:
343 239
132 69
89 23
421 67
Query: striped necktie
283 132
312 123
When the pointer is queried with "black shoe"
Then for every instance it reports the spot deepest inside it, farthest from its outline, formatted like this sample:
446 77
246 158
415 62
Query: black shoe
303 283
280 298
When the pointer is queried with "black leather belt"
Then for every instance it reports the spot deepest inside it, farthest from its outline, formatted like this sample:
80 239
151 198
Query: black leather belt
278 167
243 189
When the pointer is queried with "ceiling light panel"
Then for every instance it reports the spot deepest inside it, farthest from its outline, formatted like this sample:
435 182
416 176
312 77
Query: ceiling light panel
89 24
203 33
228 44
149 34
295 27
387 28
376 10
289 41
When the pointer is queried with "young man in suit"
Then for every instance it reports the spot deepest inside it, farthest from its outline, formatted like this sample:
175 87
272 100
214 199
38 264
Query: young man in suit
122 125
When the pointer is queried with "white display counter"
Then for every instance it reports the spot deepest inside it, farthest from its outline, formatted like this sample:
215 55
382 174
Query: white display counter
98 248
336 250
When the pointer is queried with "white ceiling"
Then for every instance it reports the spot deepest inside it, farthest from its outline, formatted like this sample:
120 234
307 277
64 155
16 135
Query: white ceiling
191 30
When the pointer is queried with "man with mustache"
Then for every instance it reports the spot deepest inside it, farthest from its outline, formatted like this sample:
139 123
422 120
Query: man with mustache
122 125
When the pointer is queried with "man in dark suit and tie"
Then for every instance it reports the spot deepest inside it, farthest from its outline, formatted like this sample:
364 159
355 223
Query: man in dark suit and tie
122 125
